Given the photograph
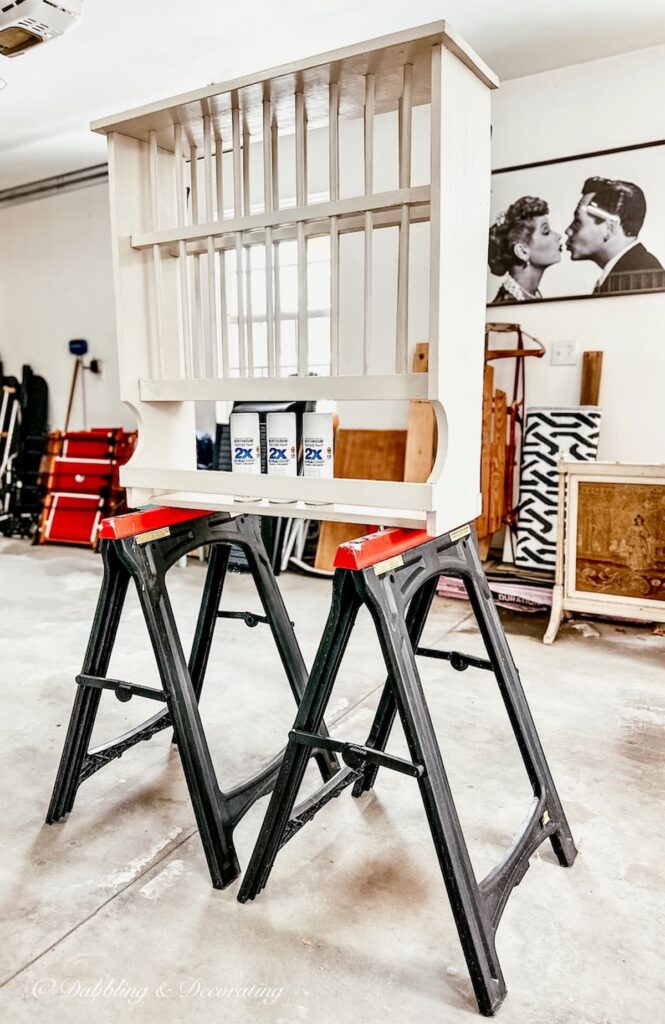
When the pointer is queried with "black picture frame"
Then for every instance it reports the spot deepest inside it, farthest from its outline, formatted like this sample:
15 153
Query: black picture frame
625 163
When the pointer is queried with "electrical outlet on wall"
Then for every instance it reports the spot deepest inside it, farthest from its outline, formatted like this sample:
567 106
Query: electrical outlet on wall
564 353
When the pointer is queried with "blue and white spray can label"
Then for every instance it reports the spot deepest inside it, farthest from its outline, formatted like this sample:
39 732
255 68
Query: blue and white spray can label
245 443
317 442
281 444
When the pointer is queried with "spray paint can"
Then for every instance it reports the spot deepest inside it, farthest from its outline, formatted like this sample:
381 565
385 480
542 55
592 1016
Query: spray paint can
317 441
245 446
281 447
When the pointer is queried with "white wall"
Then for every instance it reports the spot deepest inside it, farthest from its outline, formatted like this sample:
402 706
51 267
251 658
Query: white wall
617 101
56 282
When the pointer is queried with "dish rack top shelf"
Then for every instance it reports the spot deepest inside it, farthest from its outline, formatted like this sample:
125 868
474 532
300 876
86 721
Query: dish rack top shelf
383 57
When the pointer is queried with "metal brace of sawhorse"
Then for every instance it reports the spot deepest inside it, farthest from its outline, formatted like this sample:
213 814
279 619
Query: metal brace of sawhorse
143 546
394 573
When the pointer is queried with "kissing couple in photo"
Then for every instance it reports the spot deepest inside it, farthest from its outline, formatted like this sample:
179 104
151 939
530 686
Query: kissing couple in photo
605 228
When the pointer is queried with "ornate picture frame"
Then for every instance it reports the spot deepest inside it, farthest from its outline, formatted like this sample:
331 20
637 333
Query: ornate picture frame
611 542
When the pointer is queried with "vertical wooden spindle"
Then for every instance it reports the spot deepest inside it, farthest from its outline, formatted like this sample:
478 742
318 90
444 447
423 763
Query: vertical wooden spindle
157 339
333 148
267 202
301 200
369 188
187 347
199 325
212 358
436 129
405 131
247 206
223 309
274 146
237 211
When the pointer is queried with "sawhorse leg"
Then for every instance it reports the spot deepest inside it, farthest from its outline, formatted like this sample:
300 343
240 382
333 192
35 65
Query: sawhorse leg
273 834
470 570
516 704
86 702
218 561
416 617
248 537
146 558
389 590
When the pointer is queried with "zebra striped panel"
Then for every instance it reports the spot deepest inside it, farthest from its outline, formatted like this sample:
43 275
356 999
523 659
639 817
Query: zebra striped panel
548 432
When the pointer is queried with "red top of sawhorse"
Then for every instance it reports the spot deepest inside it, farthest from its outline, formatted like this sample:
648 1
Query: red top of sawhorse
146 520
364 552
354 554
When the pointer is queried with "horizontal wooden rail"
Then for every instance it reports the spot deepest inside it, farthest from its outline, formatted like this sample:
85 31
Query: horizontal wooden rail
418 214
275 218
376 387
364 494
409 519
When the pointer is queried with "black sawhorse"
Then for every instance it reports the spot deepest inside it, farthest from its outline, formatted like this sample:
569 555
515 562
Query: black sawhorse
394 573
144 546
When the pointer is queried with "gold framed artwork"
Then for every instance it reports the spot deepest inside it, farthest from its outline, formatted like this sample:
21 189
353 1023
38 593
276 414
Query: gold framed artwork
611 542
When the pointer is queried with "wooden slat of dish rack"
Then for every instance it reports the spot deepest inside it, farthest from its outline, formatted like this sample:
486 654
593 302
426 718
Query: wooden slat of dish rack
333 156
376 387
405 132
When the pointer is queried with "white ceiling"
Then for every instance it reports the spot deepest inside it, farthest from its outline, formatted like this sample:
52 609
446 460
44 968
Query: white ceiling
128 52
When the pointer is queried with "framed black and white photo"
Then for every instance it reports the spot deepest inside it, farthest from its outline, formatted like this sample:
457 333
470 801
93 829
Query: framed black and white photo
587 226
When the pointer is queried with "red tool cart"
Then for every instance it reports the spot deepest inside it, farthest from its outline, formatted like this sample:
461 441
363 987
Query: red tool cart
81 479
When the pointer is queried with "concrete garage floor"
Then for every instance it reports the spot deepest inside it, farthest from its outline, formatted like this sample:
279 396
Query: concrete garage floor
110 915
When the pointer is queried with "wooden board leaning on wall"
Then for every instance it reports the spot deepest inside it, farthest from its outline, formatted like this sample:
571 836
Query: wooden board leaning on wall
493 462
381 455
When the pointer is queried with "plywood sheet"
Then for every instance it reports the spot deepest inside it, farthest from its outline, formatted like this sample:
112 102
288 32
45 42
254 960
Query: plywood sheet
592 368
360 455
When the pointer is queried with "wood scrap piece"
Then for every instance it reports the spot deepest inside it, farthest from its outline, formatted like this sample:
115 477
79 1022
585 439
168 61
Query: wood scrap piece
421 429
496 507
331 535
482 522
370 454
360 455
592 367
421 358
420 442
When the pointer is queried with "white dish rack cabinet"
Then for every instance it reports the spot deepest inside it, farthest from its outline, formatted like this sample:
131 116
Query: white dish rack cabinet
184 225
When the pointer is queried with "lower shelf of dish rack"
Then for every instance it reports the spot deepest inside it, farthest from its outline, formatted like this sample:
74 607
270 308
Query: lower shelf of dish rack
431 506
223 487
404 518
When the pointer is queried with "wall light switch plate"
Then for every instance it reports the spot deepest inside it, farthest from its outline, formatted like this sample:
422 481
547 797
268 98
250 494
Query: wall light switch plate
564 353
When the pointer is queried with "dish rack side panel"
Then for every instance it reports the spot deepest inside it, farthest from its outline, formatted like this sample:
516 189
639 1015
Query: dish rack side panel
166 430
461 181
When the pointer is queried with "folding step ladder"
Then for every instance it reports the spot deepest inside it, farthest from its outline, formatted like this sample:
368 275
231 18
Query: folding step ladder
143 546
394 573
